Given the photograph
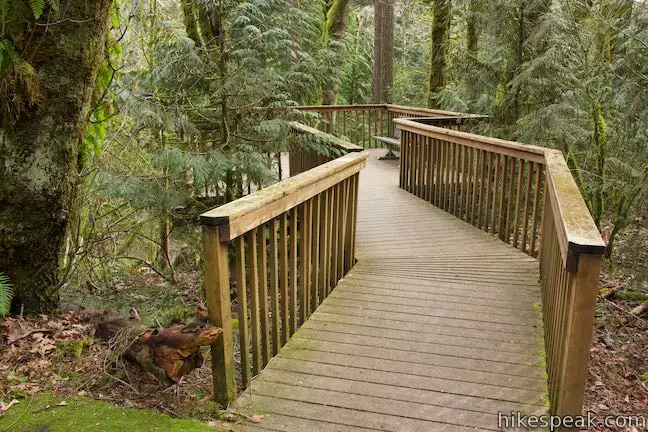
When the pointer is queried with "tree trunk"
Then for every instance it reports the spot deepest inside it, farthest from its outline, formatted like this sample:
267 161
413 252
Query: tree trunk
39 150
472 28
440 35
383 73
334 27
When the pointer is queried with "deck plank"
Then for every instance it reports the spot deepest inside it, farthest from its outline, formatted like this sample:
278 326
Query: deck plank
436 328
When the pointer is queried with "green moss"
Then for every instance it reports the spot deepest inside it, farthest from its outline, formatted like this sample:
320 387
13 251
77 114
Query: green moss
44 414
73 348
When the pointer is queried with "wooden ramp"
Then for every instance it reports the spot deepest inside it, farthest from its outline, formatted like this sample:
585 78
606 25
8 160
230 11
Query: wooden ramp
437 328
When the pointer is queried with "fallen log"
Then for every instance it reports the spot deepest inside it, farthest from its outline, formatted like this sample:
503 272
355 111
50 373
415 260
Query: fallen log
634 313
168 353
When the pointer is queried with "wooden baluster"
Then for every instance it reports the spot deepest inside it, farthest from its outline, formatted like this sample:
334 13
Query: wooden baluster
217 293
364 143
285 299
489 187
518 200
456 178
255 322
462 183
510 200
317 221
421 166
357 129
341 228
305 227
482 170
438 167
452 157
293 268
241 293
410 160
375 128
496 180
369 139
335 227
352 213
527 201
443 170
429 169
263 294
402 171
503 199
325 245
274 287
536 209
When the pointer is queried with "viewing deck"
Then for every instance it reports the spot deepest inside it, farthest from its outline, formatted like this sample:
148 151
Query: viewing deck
436 328
424 294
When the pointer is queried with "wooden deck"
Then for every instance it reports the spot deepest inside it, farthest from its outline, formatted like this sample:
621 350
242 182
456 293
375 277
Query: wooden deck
429 331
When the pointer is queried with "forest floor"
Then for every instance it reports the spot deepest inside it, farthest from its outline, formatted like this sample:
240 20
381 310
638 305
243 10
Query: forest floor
60 355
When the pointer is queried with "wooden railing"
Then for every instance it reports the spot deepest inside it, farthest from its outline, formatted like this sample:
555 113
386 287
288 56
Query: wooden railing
360 123
527 197
284 248
313 147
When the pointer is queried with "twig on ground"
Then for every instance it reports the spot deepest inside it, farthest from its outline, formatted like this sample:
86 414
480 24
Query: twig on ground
29 333
31 399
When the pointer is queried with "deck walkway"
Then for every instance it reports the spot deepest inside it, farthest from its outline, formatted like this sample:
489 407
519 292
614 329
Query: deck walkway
428 332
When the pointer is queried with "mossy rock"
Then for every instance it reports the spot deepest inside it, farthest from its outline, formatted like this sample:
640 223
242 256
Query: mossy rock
50 413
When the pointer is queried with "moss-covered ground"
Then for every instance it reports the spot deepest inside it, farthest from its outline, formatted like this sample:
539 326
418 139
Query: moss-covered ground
46 412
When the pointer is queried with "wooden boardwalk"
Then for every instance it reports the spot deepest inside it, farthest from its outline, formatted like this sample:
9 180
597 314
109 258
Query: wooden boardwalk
437 328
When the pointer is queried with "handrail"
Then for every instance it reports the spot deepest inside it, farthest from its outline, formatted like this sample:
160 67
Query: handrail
363 122
283 248
426 112
578 233
510 148
332 140
527 196
248 212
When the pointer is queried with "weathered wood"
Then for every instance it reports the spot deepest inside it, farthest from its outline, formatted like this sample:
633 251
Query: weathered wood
217 294
274 287
255 320
413 343
284 278
244 214
293 270
305 220
263 294
241 293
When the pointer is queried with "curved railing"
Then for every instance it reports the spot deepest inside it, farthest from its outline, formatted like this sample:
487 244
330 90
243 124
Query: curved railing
293 241
283 249
361 123
527 197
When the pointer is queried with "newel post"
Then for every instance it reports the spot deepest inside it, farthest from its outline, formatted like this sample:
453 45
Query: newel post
578 335
217 293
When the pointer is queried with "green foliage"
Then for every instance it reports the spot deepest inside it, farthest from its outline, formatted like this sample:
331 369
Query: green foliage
37 7
6 294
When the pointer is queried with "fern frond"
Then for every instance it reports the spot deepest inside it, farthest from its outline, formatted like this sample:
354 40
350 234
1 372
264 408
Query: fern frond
37 7
54 4
6 294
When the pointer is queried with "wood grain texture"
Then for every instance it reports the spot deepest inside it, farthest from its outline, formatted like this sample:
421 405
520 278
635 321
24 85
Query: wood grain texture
435 328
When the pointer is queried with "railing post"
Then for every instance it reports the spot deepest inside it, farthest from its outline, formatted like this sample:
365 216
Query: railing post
578 335
217 293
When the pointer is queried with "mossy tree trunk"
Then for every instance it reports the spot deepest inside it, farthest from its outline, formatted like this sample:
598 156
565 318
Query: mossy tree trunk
39 149
383 72
442 14
472 26
336 22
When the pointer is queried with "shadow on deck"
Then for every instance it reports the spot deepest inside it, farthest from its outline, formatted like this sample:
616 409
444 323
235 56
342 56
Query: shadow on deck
437 327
